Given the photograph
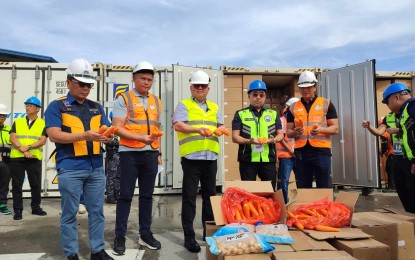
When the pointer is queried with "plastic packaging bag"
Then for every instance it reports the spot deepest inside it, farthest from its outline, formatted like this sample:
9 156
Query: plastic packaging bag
274 233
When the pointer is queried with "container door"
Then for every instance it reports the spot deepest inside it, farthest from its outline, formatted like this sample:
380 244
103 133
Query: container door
181 90
352 91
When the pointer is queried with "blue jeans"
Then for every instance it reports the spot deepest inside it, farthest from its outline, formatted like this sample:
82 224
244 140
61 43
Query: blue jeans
312 165
72 183
142 166
284 171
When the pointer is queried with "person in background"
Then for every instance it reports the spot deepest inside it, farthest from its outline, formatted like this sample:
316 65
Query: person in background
72 123
4 160
112 169
137 115
27 135
397 97
249 126
199 151
317 123
285 153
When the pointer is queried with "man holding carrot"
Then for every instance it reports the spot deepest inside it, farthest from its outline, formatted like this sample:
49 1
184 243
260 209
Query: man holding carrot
72 123
311 121
137 115
198 123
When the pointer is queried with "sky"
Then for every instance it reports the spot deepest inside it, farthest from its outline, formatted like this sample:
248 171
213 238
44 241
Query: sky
241 33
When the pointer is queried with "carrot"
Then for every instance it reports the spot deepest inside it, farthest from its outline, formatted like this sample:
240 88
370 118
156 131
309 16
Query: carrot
262 140
299 225
258 207
253 210
298 122
308 212
239 208
291 215
112 130
207 132
309 226
156 134
247 210
323 212
315 126
326 228
238 216
218 132
302 216
226 131
102 129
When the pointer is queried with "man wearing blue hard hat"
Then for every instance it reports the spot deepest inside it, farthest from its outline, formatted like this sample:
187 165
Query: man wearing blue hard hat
397 97
256 129
27 136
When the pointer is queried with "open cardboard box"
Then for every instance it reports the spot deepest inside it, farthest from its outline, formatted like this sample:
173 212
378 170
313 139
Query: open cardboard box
314 255
260 188
363 248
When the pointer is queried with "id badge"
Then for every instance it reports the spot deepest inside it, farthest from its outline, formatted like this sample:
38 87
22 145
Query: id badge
397 148
258 148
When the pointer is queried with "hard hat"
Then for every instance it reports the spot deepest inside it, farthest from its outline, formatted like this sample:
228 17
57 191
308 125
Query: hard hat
307 79
33 100
110 115
257 85
392 89
291 101
81 70
143 65
199 77
4 110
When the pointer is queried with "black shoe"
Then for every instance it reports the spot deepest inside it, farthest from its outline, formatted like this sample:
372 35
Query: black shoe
111 201
39 212
73 257
119 245
149 241
191 245
101 255
17 215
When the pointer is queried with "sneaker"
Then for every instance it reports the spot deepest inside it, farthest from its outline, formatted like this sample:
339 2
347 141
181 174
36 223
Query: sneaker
81 209
149 241
119 245
191 245
39 212
101 255
73 257
4 210
17 215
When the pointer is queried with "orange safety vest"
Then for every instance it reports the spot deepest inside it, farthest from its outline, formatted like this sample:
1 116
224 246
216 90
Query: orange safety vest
317 114
282 152
140 120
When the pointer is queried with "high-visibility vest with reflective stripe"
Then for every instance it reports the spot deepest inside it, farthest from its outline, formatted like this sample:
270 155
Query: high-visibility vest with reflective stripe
28 137
140 120
408 132
5 144
282 152
253 127
317 114
394 140
76 120
197 118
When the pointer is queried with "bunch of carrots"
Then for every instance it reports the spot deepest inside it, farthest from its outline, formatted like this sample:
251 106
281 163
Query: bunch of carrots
262 140
156 134
107 131
321 215
218 132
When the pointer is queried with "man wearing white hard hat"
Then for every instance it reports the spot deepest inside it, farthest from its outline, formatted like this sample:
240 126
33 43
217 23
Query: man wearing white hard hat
285 152
198 151
4 160
312 121
137 115
72 122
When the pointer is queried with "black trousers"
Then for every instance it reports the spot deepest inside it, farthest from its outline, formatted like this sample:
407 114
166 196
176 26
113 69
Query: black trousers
404 182
33 167
193 172
4 182
266 171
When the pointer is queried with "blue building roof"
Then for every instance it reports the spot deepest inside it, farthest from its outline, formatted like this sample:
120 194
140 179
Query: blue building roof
8 55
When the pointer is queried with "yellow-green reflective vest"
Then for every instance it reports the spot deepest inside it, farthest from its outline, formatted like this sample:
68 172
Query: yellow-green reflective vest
5 141
28 136
197 117
408 132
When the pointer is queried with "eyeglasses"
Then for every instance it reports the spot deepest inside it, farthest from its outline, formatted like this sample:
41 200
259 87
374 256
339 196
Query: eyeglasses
200 86
82 84
30 105
261 95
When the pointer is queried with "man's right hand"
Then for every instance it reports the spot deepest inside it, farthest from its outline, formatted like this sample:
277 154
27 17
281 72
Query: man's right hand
365 124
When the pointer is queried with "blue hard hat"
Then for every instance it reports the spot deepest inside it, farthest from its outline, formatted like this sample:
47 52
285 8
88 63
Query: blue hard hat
33 100
257 85
110 116
392 89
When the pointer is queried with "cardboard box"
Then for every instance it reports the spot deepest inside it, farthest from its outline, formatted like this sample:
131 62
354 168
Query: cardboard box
303 242
232 94
314 255
232 174
363 249
292 192
345 233
392 231
260 188
233 81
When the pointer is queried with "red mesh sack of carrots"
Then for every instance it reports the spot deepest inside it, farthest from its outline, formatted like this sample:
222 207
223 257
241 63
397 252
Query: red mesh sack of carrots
241 206
321 214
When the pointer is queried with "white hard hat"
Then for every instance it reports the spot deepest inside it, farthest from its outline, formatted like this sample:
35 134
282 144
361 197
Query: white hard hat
307 79
291 101
81 70
4 110
143 65
199 77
